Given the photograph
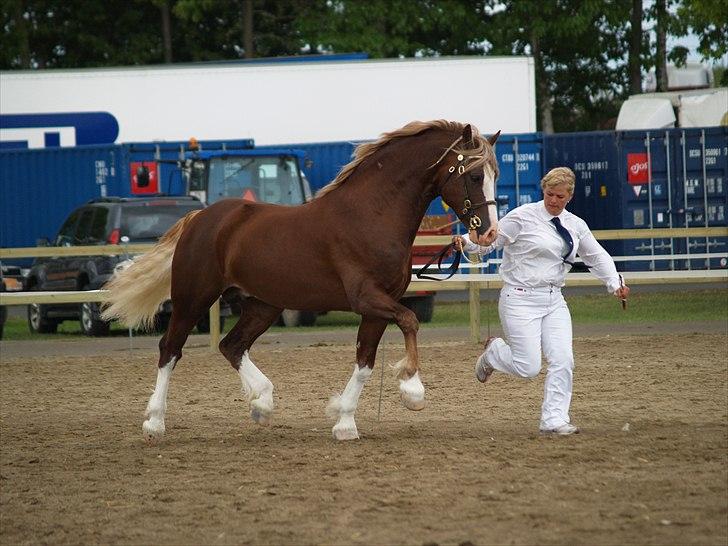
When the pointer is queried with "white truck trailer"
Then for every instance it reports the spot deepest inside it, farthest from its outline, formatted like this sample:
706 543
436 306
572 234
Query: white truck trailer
273 103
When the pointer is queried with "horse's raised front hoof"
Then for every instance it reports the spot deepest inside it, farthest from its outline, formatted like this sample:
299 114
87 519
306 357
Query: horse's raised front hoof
260 412
412 393
153 429
412 404
345 432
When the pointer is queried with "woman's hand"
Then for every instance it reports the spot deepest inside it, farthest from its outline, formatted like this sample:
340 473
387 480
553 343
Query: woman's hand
622 292
458 242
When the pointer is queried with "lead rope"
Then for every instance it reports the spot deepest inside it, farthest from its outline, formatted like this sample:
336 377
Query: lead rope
381 388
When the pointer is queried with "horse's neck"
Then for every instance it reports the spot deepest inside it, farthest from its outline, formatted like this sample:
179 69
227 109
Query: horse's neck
402 198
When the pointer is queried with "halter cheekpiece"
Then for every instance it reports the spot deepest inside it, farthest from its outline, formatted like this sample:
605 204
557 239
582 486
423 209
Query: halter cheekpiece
474 221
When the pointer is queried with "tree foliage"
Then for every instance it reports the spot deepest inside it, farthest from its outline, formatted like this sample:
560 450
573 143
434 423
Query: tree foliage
580 51
396 28
78 33
581 48
708 19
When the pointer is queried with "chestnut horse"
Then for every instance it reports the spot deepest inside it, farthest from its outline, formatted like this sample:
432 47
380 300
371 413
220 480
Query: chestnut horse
352 250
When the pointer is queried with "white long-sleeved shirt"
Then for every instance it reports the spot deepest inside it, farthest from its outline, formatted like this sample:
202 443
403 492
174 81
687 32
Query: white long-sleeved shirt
533 250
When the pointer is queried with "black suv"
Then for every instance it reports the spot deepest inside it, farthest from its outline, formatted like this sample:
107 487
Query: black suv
104 221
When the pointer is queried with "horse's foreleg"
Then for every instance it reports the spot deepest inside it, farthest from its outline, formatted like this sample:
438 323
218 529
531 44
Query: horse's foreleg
372 302
343 407
411 389
258 389
255 318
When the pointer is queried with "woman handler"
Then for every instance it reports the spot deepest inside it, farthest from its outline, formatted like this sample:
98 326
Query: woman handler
540 242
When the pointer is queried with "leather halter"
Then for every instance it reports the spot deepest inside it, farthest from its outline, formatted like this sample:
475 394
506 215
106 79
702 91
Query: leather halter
474 221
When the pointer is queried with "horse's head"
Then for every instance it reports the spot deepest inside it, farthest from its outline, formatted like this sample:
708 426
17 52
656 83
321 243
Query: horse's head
468 179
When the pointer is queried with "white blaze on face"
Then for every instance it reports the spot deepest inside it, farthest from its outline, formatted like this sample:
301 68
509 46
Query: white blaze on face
489 193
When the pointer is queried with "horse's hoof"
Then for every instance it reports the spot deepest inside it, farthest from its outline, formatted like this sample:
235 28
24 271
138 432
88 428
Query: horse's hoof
411 404
260 412
412 392
345 433
153 430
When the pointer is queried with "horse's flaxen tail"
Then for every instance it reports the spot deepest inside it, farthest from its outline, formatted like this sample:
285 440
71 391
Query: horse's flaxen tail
134 294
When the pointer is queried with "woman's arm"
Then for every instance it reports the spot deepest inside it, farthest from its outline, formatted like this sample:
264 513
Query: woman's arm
508 229
601 265
463 243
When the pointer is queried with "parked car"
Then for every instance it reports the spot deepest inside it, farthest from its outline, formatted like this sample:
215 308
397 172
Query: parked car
10 281
104 221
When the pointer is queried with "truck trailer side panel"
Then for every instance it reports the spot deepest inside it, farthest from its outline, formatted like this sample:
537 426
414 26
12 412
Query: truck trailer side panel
274 103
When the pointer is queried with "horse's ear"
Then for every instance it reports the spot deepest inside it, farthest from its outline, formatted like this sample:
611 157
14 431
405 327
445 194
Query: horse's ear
468 134
492 139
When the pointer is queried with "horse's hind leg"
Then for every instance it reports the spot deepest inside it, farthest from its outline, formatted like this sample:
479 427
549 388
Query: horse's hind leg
344 406
170 351
255 318
153 426
185 314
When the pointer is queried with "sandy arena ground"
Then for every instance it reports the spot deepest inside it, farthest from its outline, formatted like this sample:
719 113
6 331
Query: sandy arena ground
650 466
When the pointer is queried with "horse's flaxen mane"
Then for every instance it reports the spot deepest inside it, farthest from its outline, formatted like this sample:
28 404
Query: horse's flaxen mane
479 150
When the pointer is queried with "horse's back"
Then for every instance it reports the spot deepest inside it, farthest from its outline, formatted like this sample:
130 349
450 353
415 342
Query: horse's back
280 254
282 228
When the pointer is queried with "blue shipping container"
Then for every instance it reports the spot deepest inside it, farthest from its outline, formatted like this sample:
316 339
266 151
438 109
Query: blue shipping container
521 166
649 179
41 187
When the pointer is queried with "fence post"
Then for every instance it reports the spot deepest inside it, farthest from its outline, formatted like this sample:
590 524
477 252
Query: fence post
474 299
215 325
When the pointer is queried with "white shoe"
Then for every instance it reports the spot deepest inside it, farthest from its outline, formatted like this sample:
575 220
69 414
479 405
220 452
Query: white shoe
561 430
483 370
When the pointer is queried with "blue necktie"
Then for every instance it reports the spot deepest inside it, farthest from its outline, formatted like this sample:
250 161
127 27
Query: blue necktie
565 235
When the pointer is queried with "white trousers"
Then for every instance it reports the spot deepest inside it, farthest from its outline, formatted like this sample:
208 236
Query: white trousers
535 319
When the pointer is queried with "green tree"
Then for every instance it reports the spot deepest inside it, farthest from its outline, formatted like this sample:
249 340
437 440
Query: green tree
579 49
636 39
588 53
396 28
707 19
216 30
78 33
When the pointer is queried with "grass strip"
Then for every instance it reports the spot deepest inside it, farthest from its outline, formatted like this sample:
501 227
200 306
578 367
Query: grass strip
678 305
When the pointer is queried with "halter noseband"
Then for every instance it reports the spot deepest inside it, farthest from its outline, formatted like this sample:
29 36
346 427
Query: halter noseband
474 221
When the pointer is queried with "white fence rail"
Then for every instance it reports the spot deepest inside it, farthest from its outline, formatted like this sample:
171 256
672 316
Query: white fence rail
473 282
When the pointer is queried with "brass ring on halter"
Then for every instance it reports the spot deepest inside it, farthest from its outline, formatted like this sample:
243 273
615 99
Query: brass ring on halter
475 222
451 170
461 169
467 204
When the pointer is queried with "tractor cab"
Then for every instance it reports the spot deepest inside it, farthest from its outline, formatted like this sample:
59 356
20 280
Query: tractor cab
262 175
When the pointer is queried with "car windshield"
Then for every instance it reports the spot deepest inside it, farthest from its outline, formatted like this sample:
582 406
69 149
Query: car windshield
270 179
150 222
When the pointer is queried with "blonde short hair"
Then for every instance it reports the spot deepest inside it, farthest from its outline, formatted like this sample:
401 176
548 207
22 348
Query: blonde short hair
558 176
